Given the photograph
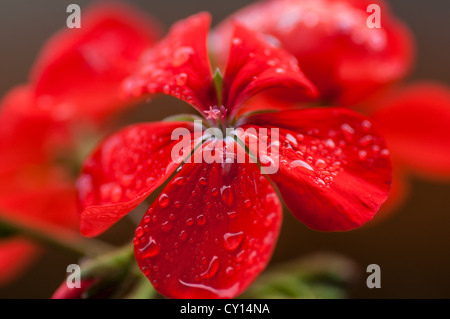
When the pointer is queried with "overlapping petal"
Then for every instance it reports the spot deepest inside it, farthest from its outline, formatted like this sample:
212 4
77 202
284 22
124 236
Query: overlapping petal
336 49
79 71
255 65
334 169
212 230
124 169
415 122
178 65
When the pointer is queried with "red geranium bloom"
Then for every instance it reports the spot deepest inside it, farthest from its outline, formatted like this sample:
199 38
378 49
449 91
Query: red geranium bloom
214 225
75 81
345 59
322 35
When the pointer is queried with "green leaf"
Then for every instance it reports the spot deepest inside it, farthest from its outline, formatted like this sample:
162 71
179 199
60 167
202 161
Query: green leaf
321 276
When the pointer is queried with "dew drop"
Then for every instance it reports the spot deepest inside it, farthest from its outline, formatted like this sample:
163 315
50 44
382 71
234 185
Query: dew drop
233 240
227 195
149 250
236 41
163 200
116 194
212 268
201 220
183 235
139 232
181 79
181 56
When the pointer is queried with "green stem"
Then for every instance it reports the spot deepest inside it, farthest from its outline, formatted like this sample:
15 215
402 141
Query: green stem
57 237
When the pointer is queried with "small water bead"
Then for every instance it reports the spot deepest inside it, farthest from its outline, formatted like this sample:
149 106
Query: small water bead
320 163
239 256
362 155
236 41
190 222
151 249
181 79
233 240
280 70
229 271
166 226
227 195
183 235
181 56
163 200
300 163
203 181
247 203
347 131
232 214
214 265
139 232
116 194
201 220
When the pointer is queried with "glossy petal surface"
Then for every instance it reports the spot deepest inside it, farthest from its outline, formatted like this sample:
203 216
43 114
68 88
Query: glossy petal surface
79 71
211 232
334 169
123 171
178 65
255 65
344 58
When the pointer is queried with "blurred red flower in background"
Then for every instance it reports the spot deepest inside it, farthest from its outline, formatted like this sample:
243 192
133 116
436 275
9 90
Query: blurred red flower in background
214 226
73 90
359 67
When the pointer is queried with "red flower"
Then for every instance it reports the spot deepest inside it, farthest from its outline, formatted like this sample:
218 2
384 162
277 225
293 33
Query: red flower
214 225
415 122
75 80
413 119
344 58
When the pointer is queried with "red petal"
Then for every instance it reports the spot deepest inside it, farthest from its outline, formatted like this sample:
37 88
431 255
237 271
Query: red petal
344 58
16 254
334 171
178 65
79 71
397 195
26 134
123 171
415 122
255 65
211 232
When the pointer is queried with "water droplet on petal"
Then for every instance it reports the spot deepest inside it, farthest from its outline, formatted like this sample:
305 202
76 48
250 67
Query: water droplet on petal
181 56
139 232
201 220
212 268
181 79
163 200
233 240
227 195
151 249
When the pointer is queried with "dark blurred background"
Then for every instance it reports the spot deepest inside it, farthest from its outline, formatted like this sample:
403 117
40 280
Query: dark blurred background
412 247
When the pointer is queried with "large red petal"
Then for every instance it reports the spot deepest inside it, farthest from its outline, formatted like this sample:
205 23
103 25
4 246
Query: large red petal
334 170
255 65
79 71
26 134
344 58
415 122
211 232
178 65
16 254
123 170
